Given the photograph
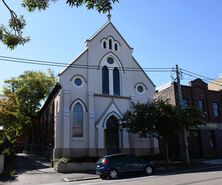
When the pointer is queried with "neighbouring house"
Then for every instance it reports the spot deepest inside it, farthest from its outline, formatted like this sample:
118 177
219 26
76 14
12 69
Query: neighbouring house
204 141
216 84
81 116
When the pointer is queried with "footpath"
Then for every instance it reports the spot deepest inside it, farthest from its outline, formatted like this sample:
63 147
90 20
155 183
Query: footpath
36 170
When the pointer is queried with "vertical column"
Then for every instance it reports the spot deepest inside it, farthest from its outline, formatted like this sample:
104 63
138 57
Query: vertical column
125 139
67 125
100 136
92 130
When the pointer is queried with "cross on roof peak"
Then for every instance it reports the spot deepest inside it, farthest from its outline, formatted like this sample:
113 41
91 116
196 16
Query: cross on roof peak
109 16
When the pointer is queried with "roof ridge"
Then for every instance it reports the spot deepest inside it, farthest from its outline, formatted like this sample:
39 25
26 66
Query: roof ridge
102 28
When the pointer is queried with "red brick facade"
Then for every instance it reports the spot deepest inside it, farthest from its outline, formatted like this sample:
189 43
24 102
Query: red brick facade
204 142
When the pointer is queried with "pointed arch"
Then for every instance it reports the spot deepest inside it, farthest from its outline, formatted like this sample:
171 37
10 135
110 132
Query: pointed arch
77 118
78 101
117 63
112 135
114 114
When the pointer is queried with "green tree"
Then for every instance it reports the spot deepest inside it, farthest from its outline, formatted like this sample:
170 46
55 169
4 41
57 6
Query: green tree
12 121
12 35
161 120
190 117
29 90
157 119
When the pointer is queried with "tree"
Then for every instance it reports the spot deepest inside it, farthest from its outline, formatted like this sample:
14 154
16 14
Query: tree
157 119
12 121
29 90
161 120
12 35
190 117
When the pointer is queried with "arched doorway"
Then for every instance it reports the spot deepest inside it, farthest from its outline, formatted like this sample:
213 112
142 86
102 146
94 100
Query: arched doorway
112 135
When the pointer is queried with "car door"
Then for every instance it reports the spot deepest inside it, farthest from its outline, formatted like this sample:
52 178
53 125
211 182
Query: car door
122 163
135 164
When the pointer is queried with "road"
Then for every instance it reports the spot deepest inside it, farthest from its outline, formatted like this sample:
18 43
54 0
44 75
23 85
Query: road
212 176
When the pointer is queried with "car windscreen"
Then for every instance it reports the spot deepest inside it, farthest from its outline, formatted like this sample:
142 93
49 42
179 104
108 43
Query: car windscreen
100 161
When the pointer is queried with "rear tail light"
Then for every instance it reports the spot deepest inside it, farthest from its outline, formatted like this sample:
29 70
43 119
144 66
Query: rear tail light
105 161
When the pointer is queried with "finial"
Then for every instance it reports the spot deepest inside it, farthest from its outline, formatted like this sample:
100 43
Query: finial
109 16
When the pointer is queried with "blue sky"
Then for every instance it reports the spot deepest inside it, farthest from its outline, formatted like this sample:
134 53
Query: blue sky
163 33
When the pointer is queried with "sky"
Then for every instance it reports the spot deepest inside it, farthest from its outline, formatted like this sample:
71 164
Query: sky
163 33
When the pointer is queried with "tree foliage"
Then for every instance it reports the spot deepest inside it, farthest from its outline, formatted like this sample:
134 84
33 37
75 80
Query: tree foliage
23 98
12 122
157 118
30 89
160 119
12 35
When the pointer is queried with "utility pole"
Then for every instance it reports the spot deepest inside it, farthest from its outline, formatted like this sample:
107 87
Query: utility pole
180 100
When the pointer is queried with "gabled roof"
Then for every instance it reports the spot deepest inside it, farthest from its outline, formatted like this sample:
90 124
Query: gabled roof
103 27
72 62
144 72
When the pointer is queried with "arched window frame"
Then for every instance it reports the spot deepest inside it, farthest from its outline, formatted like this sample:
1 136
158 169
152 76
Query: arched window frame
78 110
105 80
110 44
111 66
116 82
116 46
104 44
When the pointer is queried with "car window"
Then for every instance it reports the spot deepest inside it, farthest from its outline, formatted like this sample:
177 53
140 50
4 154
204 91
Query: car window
133 158
100 160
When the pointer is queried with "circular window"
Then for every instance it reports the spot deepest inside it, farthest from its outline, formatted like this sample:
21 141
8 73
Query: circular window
78 82
140 89
110 60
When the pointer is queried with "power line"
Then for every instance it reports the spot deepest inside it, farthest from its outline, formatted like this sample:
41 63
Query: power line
198 75
206 80
83 66
59 64
67 64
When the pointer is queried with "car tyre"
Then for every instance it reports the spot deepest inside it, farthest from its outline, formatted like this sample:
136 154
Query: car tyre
149 170
113 174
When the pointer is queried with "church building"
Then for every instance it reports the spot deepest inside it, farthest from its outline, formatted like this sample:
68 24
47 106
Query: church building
92 95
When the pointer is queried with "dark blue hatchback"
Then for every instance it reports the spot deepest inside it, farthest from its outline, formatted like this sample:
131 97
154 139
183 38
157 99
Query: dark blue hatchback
111 166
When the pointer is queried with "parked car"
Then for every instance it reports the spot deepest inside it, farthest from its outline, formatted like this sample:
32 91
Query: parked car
112 166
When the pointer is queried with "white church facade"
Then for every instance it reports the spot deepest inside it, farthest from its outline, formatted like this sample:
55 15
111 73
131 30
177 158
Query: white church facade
96 89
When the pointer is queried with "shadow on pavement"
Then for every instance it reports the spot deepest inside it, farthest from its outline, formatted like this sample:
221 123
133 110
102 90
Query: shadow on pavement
23 163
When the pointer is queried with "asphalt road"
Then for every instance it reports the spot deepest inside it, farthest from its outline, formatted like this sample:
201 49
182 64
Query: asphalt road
212 176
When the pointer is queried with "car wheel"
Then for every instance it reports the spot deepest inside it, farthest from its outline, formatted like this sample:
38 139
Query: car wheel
149 170
113 174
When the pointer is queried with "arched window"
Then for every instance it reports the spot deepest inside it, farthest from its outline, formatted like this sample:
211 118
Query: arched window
104 44
110 44
116 84
77 120
116 46
105 80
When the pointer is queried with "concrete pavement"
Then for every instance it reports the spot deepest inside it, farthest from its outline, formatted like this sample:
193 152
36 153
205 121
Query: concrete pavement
35 170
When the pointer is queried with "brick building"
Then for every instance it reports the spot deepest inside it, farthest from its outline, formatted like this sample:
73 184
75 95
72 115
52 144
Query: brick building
205 141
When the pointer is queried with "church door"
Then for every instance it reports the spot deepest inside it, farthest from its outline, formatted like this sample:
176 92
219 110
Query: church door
112 135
